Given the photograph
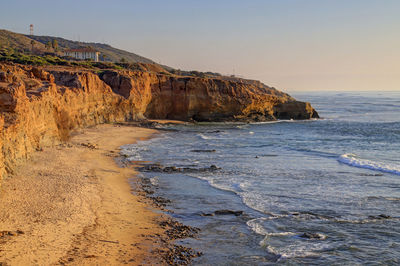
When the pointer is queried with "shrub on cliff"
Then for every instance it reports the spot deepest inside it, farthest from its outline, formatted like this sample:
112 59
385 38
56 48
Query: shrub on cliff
106 65
10 55
197 74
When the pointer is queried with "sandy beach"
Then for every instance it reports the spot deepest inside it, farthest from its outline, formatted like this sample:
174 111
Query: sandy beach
72 204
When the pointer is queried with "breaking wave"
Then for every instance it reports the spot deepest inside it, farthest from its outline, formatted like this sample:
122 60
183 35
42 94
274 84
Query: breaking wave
353 160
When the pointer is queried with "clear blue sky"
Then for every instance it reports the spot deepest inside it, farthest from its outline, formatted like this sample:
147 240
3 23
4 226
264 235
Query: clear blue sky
289 44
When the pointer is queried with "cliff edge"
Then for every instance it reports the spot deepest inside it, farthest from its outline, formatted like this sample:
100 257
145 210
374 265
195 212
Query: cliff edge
40 106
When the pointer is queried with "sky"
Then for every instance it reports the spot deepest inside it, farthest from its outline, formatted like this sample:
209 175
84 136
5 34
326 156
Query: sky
293 45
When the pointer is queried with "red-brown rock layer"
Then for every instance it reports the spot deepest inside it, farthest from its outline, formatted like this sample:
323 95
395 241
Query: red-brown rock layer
40 106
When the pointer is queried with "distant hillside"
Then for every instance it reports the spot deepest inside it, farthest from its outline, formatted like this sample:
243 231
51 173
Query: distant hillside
113 54
22 42
19 42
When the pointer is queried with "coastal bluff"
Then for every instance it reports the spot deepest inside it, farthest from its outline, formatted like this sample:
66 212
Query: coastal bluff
40 106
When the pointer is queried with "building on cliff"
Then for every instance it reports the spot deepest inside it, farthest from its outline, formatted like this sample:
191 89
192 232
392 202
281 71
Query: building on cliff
83 53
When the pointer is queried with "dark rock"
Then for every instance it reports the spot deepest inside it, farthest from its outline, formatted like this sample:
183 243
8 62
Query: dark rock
160 201
179 255
174 169
203 150
206 214
365 174
213 167
177 230
311 236
380 216
152 168
170 169
228 212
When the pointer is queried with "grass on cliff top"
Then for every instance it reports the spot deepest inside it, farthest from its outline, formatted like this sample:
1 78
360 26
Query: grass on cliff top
27 58
11 55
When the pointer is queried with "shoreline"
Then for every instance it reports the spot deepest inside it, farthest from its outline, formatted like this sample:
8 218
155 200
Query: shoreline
72 204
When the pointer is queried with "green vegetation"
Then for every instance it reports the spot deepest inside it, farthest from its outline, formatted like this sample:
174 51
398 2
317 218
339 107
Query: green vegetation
195 73
28 58
55 45
11 55
48 45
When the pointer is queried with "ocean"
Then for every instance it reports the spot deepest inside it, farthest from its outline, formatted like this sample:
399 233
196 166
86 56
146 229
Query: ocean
314 192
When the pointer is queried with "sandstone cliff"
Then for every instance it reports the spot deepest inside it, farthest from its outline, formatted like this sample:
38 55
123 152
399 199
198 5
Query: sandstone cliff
204 99
40 106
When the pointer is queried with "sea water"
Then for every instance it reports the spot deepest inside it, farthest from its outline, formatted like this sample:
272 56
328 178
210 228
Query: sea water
336 178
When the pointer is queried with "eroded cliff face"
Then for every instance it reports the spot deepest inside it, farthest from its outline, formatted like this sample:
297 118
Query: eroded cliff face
41 106
202 99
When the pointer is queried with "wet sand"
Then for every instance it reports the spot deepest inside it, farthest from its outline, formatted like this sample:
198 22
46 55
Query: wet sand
72 204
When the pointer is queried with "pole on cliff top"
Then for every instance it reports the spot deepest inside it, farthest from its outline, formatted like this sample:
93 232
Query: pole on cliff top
31 29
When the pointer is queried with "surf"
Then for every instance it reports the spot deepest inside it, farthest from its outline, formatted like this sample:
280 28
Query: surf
353 160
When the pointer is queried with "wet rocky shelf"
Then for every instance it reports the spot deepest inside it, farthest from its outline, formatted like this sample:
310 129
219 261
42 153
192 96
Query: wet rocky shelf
173 169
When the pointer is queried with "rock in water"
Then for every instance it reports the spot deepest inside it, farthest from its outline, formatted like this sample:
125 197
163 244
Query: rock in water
228 212
312 236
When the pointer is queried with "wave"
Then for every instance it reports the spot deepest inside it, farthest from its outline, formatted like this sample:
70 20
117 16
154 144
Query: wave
299 253
255 226
286 121
267 122
353 160
202 136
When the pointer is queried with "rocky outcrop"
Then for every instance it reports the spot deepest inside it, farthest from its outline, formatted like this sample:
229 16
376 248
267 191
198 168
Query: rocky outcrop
202 99
40 106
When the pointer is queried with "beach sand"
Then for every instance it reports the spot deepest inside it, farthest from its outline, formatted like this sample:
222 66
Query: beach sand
72 204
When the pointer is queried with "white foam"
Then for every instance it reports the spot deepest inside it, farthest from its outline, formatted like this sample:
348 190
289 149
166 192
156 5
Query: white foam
353 160
255 225
154 181
204 136
298 250
301 253
267 122
135 157
282 234
132 151
284 121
